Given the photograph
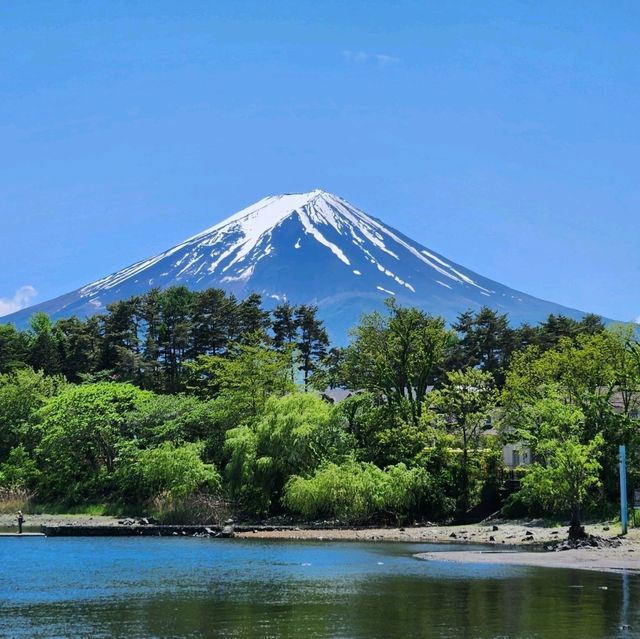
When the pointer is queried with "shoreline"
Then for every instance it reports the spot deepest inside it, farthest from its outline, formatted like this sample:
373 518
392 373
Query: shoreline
515 543
598 560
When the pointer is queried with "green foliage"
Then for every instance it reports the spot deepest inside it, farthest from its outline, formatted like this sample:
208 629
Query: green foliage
355 492
42 345
463 406
567 467
293 436
81 430
486 342
245 379
176 472
22 393
19 471
566 476
595 374
177 419
13 348
395 356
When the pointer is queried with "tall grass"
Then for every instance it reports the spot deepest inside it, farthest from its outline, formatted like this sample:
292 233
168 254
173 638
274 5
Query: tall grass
14 499
199 508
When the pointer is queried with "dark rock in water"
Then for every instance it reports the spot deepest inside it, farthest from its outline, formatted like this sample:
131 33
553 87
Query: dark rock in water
492 538
227 532
494 528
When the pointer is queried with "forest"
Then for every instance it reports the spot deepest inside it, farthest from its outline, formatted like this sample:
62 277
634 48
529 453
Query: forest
177 403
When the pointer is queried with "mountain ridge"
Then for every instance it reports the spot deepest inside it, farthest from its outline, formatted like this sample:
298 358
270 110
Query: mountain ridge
312 247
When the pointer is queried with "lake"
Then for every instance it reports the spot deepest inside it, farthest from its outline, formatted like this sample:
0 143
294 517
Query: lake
186 587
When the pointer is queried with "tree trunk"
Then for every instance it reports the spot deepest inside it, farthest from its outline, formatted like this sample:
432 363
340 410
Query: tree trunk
576 529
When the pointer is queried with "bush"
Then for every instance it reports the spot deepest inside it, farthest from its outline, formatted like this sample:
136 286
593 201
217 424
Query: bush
357 491
168 472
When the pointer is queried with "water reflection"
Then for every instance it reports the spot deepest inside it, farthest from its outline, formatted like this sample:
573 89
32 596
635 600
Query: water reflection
202 588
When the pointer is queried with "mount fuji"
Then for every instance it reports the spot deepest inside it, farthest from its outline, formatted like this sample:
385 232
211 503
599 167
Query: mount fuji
312 248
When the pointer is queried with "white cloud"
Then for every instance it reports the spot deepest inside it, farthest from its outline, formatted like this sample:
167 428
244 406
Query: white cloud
361 57
386 60
638 319
21 299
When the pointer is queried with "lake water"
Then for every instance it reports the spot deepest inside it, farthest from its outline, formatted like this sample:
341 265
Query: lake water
168 587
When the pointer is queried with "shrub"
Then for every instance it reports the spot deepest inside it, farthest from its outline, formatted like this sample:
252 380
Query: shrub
357 491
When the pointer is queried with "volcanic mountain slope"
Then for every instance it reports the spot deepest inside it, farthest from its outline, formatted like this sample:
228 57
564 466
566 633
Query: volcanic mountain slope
308 248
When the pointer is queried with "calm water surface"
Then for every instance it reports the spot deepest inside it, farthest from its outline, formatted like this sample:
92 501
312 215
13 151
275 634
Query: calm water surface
168 587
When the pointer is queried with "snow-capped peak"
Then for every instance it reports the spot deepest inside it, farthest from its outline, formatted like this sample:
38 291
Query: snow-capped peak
231 250
307 248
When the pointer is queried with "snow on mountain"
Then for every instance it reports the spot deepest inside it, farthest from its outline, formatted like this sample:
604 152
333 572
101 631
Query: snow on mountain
308 248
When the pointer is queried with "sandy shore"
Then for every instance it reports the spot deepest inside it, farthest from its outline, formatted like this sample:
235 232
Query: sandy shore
522 533
602 559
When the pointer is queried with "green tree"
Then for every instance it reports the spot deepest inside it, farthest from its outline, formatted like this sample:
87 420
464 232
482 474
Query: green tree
313 341
13 348
43 348
23 393
79 345
293 436
81 431
244 379
122 343
20 470
251 319
174 332
463 406
593 372
177 419
172 472
566 469
395 356
486 341
213 317
284 326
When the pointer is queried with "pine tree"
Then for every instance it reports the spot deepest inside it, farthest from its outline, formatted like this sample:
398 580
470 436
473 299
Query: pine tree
43 349
284 326
213 322
312 340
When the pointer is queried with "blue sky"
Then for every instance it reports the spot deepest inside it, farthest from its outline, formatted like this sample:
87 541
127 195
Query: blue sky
504 135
